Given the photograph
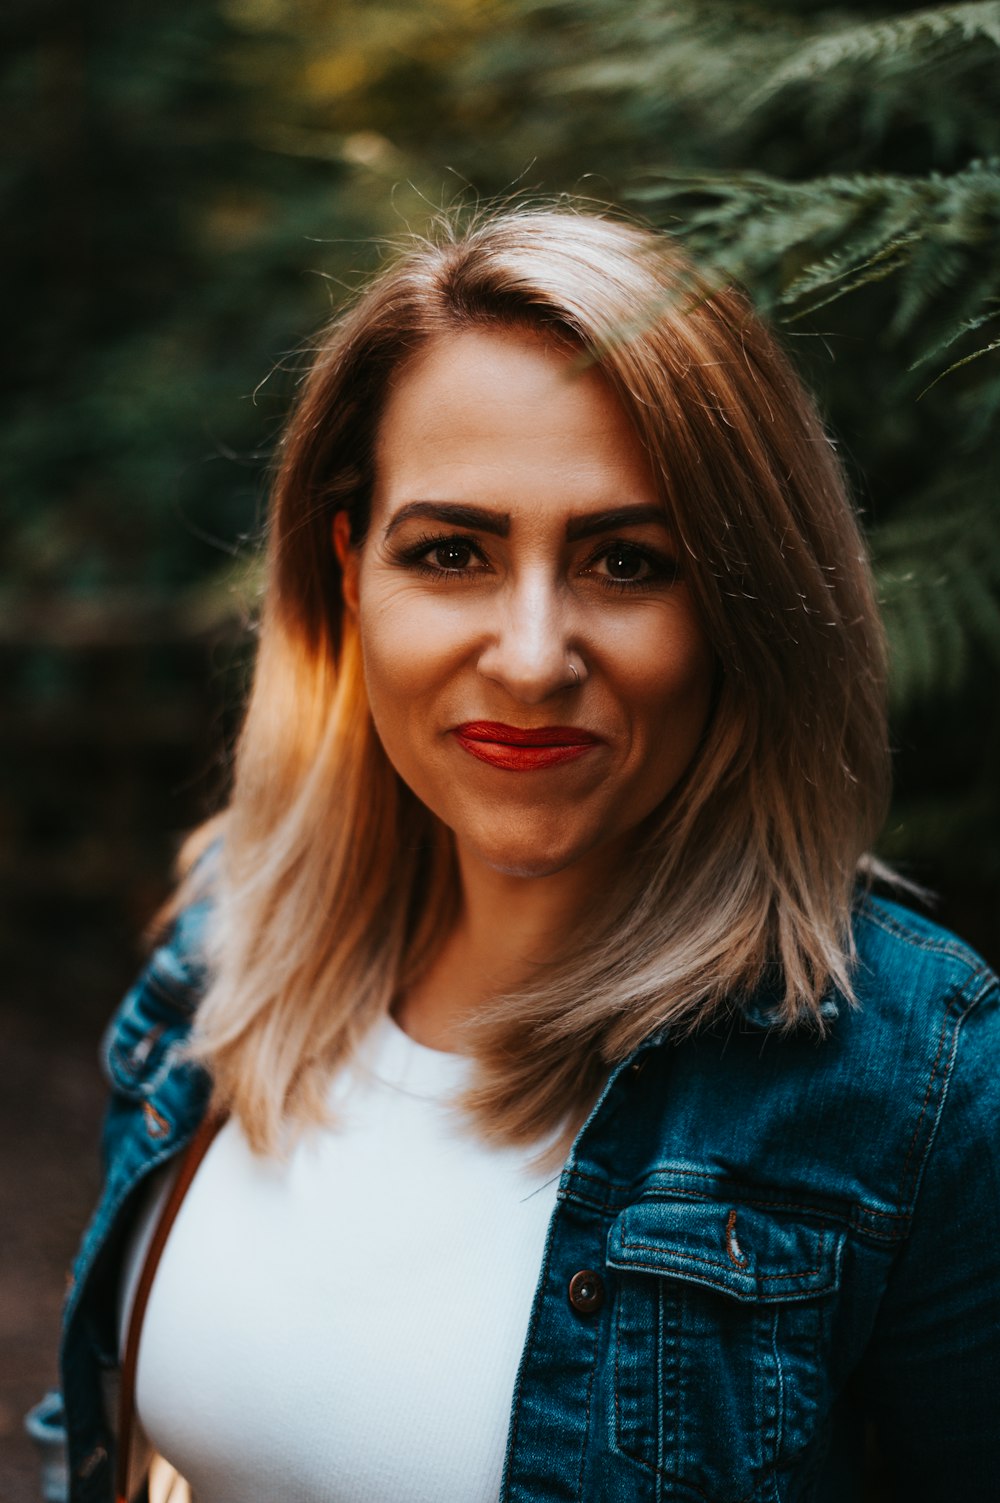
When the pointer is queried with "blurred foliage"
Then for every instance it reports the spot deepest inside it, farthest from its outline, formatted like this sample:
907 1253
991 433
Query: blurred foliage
190 187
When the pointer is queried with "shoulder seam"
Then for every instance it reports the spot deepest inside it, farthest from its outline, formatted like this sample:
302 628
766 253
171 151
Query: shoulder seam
941 1074
952 949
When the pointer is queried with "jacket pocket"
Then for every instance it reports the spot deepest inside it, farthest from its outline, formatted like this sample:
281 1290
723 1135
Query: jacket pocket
721 1307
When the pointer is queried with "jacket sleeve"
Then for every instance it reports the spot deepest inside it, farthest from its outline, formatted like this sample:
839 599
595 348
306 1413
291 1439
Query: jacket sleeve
933 1375
156 1098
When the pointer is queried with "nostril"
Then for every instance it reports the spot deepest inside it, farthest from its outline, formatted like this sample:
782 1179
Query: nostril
530 677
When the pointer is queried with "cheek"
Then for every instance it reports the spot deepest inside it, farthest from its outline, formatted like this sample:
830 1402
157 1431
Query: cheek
410 651
691 677
671 709
670 672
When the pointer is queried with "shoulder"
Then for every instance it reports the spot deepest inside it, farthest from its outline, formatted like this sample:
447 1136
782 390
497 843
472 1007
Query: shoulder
920 983
936 1345
908 1069
157 1011
158 1092
924 1040
155 1016
902 951
924 994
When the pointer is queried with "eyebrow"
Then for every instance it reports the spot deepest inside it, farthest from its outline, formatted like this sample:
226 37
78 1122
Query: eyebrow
479 519
455 513
613 519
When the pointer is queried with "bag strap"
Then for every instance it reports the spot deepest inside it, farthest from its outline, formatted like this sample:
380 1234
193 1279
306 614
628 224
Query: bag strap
193 1155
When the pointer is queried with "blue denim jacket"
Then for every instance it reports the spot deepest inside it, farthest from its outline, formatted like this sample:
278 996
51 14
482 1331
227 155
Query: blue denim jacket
791 1244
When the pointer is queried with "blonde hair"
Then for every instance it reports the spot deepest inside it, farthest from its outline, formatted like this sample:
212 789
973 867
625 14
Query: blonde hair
334 885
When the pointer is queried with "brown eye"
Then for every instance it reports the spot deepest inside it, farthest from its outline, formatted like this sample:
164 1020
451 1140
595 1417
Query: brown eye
452 555
624 563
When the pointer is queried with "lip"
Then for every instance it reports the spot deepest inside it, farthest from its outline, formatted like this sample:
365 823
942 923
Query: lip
518 748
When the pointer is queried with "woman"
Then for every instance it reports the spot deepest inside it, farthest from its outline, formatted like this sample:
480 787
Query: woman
590 1131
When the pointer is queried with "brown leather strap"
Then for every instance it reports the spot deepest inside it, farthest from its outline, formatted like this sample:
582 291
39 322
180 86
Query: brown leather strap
193 1155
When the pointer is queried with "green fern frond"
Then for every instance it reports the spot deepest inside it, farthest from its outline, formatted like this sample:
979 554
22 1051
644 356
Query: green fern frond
986 349
939 586
876 273
884 40
913 655
932 266
966 326
834 235
850 262
935 525
953 641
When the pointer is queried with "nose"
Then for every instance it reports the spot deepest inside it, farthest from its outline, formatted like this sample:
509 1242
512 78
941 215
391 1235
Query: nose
529 647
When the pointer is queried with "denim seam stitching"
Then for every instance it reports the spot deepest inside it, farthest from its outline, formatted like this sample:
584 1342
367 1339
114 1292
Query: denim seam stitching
946 1029
779 1425
529 1341
655 1468
710 1283
618 1190
953 949
586 1423
660 1382
855 1220
763 1278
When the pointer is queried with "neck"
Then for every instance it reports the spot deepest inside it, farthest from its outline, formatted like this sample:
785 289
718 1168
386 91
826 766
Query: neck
507 926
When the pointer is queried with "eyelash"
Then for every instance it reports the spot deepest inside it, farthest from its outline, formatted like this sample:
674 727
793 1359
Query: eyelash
663 568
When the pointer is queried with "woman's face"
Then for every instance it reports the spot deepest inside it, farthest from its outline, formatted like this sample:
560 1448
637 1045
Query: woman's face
534 663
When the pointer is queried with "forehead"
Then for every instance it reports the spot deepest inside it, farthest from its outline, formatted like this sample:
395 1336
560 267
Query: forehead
506 417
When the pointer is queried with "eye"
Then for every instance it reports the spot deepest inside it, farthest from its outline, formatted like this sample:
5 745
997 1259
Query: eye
439 556
454 553
625 562
623 565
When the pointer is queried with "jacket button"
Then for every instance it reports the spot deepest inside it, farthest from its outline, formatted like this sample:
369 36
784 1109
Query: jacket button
586 1291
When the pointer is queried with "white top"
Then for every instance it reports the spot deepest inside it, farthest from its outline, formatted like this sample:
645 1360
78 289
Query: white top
346 1326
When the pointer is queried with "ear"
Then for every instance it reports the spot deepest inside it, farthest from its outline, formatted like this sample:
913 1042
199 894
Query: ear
348 558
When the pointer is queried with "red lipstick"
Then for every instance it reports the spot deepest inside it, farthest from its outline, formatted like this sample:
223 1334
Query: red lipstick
520 748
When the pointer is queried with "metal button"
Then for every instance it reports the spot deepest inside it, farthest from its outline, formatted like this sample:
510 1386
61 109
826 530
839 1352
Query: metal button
586 1291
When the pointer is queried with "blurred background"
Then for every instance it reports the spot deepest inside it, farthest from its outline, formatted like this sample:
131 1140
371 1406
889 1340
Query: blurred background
188 189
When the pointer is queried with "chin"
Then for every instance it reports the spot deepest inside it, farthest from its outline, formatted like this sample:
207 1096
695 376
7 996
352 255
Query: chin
528 859
527 870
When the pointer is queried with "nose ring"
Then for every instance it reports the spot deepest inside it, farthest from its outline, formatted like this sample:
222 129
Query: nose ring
575 673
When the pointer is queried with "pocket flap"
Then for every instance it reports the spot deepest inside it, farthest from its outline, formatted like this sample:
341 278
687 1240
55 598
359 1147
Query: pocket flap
735 1247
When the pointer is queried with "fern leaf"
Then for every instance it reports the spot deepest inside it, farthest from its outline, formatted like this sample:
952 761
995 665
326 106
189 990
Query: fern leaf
939 586
911 644
889 40
932 234
932 267
986 349
955 333
875 273
852 261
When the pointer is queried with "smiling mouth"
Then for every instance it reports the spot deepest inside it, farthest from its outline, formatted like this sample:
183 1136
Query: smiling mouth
523 749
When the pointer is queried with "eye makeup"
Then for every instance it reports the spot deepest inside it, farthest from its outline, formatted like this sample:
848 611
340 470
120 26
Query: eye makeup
456 556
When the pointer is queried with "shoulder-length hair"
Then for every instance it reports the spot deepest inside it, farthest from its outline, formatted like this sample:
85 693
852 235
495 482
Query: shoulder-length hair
335 885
